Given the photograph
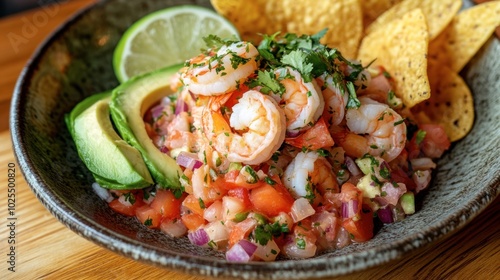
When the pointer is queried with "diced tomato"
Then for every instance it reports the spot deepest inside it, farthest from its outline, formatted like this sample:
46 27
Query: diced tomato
192 221
232 180
192 203
435 142
399 176
353 197
316 137
236 95
271 200
148 216
350 192
362 229
166 204
242 194
127 209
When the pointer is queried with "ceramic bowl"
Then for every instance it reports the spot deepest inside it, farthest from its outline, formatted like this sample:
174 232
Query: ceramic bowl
76 61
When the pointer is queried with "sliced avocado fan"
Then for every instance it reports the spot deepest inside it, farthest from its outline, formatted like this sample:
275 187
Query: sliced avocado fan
113 163
128 105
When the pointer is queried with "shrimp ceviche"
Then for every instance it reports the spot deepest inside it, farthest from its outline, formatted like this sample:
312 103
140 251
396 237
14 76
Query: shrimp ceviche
287 149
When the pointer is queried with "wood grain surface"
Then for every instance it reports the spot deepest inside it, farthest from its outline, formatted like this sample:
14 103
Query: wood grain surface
45 249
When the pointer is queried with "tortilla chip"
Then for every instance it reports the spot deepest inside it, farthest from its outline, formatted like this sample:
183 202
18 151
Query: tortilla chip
401 48
343 18
451 102
248 17
372 9
465 35
438 14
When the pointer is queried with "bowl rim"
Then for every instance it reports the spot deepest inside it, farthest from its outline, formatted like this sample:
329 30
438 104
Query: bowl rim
297 269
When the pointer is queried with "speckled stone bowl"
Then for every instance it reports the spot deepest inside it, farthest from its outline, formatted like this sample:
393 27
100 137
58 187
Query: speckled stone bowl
76 61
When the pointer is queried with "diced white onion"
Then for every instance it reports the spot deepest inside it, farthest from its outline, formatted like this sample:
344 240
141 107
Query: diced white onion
217 231
213 212
103 193
267 252
173 228
422 163
301 209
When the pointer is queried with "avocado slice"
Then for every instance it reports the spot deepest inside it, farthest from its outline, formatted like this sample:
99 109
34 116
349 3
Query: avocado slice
113 163
129 103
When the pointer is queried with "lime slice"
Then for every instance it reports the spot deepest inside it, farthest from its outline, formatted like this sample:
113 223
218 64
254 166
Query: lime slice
167 37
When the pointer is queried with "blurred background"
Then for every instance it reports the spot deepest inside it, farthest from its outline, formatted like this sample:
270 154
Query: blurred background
8 7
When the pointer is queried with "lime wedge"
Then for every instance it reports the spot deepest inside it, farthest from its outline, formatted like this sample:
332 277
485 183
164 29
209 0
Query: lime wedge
167 37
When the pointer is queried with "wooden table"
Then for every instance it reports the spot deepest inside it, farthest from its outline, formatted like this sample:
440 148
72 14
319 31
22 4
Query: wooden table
46 249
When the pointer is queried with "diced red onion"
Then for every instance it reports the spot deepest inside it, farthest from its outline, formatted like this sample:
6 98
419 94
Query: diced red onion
188 160
181 106
157 111
292 134
192 95
421 179
164 150
198 237
422 163
248 246
102 192
241 251
392 193
352 167
349 208
343 238
385 215
301 209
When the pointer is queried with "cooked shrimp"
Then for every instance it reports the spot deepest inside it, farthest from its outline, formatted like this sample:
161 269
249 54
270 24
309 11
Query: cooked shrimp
222 71
302 102
256 129
375 129
307 173
335 97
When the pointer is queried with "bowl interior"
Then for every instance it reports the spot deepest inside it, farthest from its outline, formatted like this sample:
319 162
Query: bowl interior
77 62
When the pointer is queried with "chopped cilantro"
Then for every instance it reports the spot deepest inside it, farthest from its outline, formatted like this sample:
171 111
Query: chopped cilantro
148 222
301 243
298 60
353 101
202 203
268 82
269 181
399 122
323 153
129 197
420 136
264 233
